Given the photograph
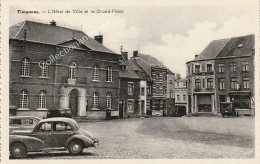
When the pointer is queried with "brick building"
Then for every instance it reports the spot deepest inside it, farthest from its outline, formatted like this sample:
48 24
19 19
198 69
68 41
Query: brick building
223 72
54 67
157 86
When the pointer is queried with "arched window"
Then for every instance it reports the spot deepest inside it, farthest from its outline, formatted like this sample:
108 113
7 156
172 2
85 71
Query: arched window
109 74
109 101
95 73
25 67
44 68
42 100
23 99
72 70
95 100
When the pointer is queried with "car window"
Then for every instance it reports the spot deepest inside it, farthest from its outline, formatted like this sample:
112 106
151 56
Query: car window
45 127
61 126
28 122
17 122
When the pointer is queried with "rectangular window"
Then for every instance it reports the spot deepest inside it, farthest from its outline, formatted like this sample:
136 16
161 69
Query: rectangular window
245 66
233 67
44 69
171 94
197 68
164 90
95 73
148 89
233 83
157 89
109 74
95 101
142 91
188 69
184 98
221 68
209 83
209 67
178 97
221 84
130 106
245 83
197 83
178 84
184 84
130 88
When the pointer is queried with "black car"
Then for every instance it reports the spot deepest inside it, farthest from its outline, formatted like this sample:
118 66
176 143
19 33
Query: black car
59 113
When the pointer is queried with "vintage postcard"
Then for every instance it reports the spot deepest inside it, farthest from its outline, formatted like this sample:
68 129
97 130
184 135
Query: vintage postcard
163 81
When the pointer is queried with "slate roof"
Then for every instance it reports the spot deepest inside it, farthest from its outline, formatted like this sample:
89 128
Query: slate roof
212 50
146 62
236 46
46 33
130 70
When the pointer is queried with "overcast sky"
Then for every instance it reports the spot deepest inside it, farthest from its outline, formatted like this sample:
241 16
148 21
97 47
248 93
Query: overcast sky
172 34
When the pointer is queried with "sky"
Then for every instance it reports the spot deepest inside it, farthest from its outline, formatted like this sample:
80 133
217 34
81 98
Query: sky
172 34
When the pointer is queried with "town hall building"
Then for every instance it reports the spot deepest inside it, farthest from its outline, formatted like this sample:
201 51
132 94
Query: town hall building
53 67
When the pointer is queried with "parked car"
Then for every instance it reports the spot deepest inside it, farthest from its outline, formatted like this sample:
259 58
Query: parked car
22 122
51 134
228 109
59 113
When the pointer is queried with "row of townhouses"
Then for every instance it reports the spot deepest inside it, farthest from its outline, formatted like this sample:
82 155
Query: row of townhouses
222 72
53 67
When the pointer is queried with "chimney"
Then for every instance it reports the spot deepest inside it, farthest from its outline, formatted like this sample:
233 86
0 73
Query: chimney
125 55
196 56
99 38
135 53
53 23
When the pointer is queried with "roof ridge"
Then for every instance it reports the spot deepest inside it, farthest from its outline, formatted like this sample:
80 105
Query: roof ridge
54 26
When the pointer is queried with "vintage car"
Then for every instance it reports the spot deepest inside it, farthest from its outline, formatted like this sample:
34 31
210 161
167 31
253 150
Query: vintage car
51 134
22 122
59 113
228 109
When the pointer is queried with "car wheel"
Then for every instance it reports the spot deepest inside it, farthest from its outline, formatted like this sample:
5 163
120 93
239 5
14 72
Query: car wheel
75 147
18 150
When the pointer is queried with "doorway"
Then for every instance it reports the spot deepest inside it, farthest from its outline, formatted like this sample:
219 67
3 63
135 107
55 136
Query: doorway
73 102
121 109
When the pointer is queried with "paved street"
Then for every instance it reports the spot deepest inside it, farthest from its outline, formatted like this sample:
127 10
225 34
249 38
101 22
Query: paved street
168 137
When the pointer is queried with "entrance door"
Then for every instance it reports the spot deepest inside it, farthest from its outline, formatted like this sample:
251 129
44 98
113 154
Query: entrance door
121 109
74 102
222 98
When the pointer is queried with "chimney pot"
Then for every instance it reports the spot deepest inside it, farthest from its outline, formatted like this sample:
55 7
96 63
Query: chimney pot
53 23
99 38
135 53
196 56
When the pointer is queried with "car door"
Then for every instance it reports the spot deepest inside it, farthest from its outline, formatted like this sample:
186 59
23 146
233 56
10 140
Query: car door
44 132
61 132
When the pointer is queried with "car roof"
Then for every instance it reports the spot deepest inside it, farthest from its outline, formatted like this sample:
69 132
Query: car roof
62 119
18 117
